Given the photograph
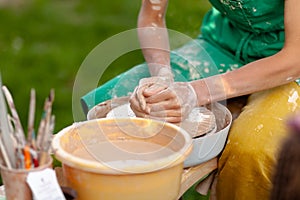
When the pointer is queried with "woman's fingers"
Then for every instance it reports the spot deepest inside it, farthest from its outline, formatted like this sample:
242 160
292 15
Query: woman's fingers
158 101
135 102
164 95
154 89
140 96
146 90
162 116
147 87
164 111
164 105
137 112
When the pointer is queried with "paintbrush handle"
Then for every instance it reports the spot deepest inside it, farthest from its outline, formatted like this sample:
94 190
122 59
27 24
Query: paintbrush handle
8 147
31 116
19 129
4 154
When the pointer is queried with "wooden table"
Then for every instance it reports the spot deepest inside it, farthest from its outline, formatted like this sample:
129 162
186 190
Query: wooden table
192 175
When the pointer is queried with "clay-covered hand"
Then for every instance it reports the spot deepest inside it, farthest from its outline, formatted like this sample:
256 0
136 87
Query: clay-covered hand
173 104
154 84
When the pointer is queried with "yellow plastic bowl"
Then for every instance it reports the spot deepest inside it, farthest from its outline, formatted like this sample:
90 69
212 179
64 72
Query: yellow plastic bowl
124 158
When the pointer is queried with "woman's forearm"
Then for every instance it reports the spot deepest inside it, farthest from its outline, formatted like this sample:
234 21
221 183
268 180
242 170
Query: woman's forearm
256 76
153 37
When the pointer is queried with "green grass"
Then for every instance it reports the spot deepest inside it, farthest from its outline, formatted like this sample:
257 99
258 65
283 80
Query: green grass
44 42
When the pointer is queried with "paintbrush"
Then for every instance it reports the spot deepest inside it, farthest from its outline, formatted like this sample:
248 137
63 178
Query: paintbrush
31 116
46 128
8 149
18 126
47 141
4 155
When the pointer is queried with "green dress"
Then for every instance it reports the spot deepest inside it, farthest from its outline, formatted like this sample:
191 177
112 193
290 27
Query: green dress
247 30
233 33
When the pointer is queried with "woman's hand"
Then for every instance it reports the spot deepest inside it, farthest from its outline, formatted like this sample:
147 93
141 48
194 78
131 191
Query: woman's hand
154 84
172 104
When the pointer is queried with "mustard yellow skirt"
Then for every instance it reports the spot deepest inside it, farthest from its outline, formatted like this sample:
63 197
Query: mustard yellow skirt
247 162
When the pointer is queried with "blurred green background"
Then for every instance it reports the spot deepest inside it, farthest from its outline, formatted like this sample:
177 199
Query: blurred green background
44 42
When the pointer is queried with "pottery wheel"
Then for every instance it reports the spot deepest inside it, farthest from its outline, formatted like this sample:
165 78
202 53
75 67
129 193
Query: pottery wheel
200 121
